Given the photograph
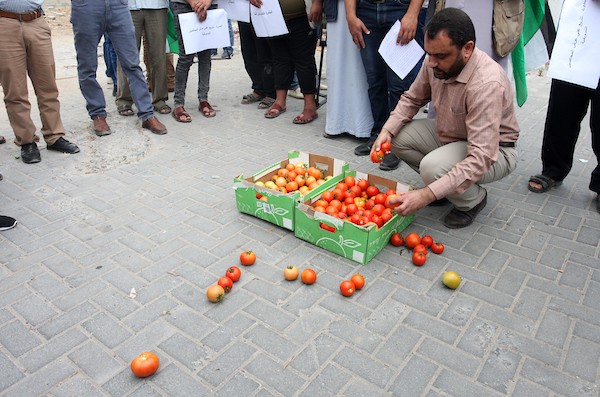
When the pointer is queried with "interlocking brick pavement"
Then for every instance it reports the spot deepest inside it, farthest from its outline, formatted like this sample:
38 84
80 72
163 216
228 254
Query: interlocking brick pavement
157 213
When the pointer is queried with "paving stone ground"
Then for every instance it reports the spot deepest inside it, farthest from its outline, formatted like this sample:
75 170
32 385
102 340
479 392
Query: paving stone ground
157 213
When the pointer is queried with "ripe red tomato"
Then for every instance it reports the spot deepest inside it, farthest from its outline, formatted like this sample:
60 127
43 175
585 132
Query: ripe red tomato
350 181
386 216
347 288
327 196
420 248
427 241
377 156
380 198
419 258
437 248
396 240
145 364
378 220
358 280
234 273
388 202
386 147
412 240
363 184
372 191
308 276
390 192
356 190
226 283
351 209
247 258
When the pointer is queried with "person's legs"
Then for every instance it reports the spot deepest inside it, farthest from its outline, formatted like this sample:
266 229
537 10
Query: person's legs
228 51
595 130
283 70
13 78
302 47
185 61
89 24
124 99
415 141
155 33
204 67
567 107
170 72
41 69
122 34
250 57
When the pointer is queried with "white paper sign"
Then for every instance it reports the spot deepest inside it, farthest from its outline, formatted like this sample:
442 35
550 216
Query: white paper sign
199 36
238 10
576 53
268 19
400 58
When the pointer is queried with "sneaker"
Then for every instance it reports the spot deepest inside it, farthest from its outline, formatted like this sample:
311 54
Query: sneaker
296 93
6 222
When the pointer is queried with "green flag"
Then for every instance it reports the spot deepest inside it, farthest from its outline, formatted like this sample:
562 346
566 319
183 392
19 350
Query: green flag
172 34
534 14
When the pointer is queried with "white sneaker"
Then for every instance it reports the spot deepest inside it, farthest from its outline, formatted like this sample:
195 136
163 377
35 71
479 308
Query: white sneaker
323 87
296 93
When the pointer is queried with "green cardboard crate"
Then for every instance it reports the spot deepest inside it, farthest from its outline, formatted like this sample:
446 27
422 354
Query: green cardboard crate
279 209
358 243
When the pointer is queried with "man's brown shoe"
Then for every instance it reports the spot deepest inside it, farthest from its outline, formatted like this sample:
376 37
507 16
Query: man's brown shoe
101 127
458 219
155 126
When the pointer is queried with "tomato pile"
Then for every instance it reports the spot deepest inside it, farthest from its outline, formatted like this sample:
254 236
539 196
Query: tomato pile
418 244
357 202
295 177
348 287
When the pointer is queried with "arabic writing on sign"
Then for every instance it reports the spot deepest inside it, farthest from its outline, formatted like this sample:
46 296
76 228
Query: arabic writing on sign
581 34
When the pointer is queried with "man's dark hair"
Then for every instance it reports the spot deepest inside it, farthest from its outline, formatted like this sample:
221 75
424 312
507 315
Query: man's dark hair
456 23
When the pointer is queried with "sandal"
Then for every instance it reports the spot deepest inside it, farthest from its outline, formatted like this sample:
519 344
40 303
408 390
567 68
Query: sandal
166 109
544 181
125 110
266 103
251 98
301 119
181 115
274 111
206 109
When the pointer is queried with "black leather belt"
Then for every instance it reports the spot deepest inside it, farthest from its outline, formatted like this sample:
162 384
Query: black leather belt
508 144
377 1
30 16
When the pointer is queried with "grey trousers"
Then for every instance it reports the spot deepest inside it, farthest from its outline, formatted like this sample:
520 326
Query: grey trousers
418 145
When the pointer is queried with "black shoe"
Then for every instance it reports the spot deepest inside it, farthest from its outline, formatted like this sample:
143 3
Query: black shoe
364 149
30 153
439 203
6 222
63 146
458 219
390 162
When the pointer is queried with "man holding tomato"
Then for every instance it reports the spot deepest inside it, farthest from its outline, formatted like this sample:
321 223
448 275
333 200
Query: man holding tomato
472 141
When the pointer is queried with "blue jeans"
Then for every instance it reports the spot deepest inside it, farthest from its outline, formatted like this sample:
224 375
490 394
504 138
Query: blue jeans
90 20
385 87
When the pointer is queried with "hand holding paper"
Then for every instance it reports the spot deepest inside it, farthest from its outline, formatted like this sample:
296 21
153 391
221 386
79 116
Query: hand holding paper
400 58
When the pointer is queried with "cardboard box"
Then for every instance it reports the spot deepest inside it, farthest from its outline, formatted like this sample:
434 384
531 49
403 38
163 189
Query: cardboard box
279 207
358 243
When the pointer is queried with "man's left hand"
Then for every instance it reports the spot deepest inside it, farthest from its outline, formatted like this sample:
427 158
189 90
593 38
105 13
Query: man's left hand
413 200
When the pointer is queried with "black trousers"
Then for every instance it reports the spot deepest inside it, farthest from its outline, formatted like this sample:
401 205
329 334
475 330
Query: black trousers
295 51
567 107
258 61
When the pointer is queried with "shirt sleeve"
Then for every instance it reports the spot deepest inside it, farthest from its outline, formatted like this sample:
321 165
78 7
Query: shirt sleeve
410 102
484 104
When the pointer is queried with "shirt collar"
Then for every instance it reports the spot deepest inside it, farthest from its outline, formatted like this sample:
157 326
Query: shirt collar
469 69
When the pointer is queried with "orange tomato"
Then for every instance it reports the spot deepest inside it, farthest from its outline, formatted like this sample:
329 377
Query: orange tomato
412 240
290 167
282 172
358 280
308 276
145 364
291 186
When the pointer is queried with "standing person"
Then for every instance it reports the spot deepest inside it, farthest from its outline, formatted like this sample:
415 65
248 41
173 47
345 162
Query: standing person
295 51
347 82
185 61
259 66
369 21
472 141
26 49
150 22
568 104
90 20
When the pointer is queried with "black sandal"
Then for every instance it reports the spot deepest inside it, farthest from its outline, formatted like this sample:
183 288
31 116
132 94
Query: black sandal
546 182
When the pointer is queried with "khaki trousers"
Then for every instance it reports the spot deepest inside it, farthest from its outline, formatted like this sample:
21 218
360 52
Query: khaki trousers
418 145
26 49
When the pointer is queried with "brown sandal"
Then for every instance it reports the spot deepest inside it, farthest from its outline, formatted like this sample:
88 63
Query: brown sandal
166 109
206 109
181 115
274 111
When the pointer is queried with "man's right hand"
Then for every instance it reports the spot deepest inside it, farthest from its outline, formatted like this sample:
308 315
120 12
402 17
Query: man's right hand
357 28
384 136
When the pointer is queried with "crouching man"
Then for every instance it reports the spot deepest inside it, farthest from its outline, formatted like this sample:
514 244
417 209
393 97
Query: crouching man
472 141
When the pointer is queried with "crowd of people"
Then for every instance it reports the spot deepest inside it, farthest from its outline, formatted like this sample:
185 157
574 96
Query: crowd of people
468 140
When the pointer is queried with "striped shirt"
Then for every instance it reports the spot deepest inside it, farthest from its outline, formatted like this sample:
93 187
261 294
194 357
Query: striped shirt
20 6
476 106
